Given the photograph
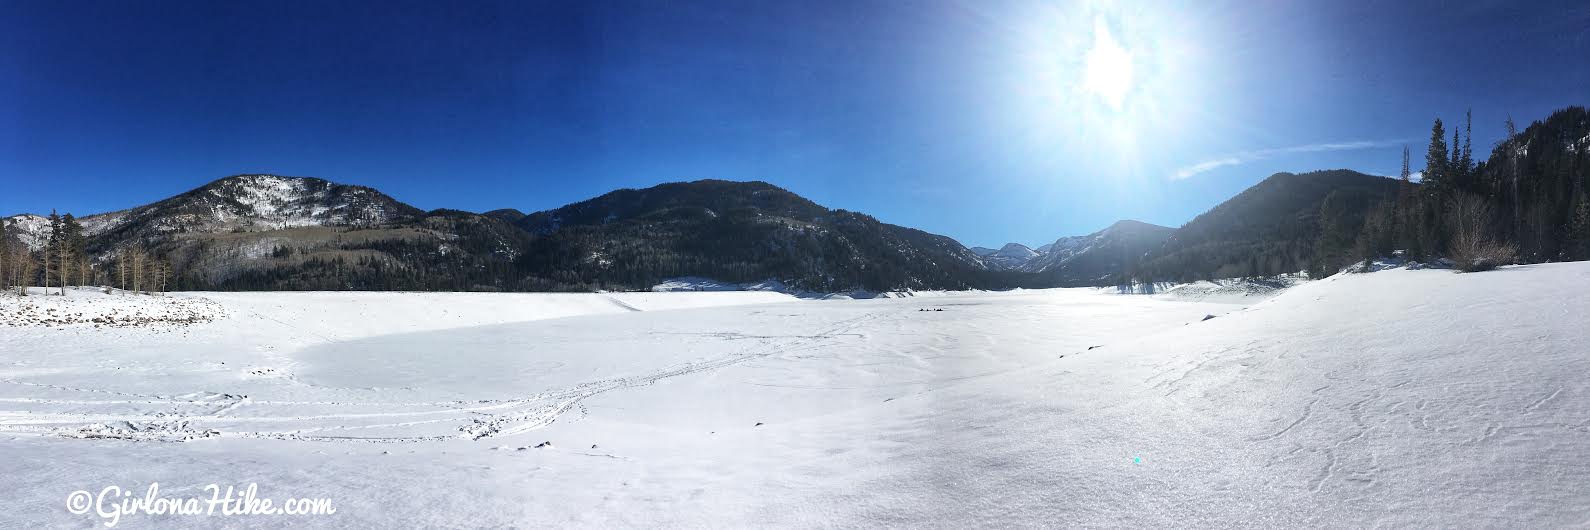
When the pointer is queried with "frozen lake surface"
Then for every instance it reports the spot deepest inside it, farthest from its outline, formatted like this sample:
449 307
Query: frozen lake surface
1398 398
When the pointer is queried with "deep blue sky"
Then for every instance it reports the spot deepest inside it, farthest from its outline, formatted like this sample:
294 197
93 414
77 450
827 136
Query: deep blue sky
960 118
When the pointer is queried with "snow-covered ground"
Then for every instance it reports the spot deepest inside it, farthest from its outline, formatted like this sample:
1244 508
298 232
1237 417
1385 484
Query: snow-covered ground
99 307
1400 398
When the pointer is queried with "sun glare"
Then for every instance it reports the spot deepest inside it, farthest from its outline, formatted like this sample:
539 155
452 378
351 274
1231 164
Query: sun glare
1094 77
1108 73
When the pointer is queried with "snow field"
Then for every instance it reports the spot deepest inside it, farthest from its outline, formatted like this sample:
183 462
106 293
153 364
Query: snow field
1401 398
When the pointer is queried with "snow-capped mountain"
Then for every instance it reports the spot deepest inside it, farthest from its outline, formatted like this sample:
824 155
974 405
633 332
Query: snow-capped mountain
288 233
1059 252
254 203
1012 256
1122 233
31 230
240 203
1096 257
1078 260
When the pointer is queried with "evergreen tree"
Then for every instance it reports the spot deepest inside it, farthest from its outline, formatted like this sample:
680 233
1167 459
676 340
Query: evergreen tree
1510 145
1435 160
1579 231
51 251
72 251
1466 157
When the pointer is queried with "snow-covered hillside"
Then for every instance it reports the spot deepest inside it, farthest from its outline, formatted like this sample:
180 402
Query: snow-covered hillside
31 230
257 202
236 203
1401 398
1012 256
1086 259
1124 237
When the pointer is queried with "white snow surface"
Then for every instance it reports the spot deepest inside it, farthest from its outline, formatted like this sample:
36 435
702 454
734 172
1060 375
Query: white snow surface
1401 398
102 307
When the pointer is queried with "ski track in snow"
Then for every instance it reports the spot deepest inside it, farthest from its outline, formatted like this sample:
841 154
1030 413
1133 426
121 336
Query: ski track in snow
205 417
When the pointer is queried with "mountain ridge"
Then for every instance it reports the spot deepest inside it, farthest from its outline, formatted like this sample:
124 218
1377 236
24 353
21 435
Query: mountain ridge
261 231
271 231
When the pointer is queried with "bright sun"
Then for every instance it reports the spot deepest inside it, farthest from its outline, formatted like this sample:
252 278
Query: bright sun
1108 66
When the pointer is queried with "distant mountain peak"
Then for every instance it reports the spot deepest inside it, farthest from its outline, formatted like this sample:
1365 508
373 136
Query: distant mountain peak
254 202
1016 248
510 215
30 229
1085 259
1011 256
1133 224
736 232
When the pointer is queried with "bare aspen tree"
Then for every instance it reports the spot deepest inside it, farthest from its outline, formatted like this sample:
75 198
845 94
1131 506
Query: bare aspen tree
6 262
1472 246
25 272
5 256
165 275
22 268
63 265
137 269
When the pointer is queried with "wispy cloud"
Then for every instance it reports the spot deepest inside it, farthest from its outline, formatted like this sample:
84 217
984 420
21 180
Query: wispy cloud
1261 154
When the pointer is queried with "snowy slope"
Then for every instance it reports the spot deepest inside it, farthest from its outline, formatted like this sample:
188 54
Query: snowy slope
236 203
1012 256
1061 251
255 203
31 230
1098 254
1400 398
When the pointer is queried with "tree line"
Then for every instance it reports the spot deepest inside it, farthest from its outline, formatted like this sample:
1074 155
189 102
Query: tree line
1527 203
64 261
